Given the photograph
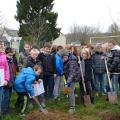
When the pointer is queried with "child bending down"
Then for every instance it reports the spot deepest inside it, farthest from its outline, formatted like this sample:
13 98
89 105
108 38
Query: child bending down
23 85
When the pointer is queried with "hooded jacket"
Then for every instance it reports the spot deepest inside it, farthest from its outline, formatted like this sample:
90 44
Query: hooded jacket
114 60
98 63
72 70
4 65
24 81
59 64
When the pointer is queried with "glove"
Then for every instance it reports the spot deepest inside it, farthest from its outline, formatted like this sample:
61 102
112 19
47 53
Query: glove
67 89
67 85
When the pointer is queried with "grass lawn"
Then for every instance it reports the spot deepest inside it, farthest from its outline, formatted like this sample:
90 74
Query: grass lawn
85 113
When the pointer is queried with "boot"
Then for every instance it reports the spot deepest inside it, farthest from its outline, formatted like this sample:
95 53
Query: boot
71 110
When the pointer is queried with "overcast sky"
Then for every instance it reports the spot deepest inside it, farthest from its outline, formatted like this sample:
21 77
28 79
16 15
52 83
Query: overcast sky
97 13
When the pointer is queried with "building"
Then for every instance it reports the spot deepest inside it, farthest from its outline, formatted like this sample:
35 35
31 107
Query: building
10 38
61 40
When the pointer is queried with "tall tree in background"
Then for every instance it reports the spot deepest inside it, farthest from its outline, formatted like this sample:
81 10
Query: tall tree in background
37 20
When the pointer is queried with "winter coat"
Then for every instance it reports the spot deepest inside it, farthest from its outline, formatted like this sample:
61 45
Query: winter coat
114 60
24 81
11 71
4 65
15 63
48 64
59 65
98 63
23 59
88 69
72 70
31 62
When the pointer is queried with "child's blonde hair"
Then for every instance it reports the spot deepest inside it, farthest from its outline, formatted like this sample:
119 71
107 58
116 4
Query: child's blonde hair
87 51
34 51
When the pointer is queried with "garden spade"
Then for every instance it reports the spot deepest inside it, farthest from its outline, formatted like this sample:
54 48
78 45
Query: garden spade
111 95
87 100
39 105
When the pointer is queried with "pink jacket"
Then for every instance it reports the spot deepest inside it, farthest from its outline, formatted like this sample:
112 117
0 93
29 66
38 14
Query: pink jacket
4 65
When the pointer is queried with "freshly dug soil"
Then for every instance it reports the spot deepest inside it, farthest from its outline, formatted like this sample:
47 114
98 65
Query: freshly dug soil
52 115
109 116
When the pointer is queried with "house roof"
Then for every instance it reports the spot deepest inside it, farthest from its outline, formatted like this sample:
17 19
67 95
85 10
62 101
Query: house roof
12 33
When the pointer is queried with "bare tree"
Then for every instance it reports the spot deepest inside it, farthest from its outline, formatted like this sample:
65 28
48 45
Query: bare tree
81 33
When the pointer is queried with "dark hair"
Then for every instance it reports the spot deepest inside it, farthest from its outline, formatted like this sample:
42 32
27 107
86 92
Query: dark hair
75 52
8 50
112 41
53 49
37 67
59 48
27 43
47 45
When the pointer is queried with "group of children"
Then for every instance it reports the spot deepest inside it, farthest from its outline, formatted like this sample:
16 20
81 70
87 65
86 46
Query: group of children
49 65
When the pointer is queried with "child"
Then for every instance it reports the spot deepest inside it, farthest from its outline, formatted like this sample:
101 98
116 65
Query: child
3 66
31 62
33 58
87 73
99 69
59 72
73 74
15 61
23 85
8 88
24 55
48 64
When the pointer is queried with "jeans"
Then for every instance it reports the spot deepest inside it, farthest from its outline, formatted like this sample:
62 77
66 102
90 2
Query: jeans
88 91
1 94
57 86
107 86
6 99
99 82
48 82
115 83
72 95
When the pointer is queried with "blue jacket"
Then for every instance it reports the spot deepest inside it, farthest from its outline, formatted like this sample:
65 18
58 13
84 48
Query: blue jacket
59 64
24 81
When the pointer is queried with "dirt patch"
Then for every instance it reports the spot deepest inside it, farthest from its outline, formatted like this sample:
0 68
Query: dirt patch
109 116
52 115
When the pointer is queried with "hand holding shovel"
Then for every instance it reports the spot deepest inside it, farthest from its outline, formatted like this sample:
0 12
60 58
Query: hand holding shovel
87 100
111 95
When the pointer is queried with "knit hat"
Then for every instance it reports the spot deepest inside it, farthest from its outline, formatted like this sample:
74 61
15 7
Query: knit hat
63 52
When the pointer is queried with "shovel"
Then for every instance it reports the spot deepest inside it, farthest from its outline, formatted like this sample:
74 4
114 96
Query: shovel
39 105
111 95
87 100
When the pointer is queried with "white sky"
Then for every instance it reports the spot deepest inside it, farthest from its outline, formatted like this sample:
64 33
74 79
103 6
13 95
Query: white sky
95 13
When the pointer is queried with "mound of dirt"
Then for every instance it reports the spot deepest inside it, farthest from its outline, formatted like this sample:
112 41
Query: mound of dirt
52 115
109 116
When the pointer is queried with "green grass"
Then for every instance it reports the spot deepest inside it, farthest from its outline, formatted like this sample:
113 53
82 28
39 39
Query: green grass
85 113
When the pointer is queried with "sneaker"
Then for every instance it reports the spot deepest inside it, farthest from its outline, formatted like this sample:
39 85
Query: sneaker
57 98
22 115
97 94
71 110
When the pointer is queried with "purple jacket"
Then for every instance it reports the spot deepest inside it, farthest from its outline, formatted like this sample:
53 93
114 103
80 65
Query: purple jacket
72 70
4 65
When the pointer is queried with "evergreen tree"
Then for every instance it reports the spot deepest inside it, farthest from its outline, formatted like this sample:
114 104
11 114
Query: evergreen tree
37 20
